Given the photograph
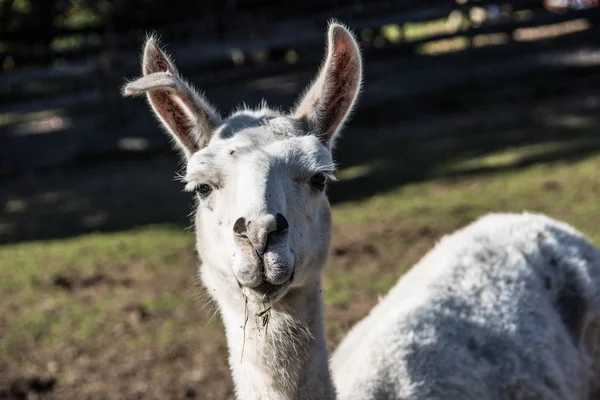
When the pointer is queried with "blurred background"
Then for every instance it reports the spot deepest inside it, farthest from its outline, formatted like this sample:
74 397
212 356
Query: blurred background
468 107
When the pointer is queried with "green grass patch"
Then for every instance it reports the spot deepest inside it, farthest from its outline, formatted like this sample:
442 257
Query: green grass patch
567 190
26 265
341 288
166 302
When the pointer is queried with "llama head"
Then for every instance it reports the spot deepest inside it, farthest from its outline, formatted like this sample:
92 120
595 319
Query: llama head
262 218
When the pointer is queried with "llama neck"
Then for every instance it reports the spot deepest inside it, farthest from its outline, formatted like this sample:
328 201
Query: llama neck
282 356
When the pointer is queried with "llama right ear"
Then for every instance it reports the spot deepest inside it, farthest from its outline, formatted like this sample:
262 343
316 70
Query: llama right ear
186 114
330 98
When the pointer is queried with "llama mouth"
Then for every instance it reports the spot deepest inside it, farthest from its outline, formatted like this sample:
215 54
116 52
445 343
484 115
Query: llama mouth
268 292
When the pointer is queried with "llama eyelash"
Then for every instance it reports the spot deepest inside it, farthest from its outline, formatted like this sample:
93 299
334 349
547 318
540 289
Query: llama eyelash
305 178
330 176
328 171
190 187
193 186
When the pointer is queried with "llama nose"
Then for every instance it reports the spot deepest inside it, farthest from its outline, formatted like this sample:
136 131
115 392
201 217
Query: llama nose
239 228
281 224
261 230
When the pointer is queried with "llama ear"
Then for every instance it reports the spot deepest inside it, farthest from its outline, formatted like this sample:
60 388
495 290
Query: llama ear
330 98
186 114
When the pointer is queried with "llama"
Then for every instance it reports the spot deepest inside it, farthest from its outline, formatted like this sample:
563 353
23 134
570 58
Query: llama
263 221
503 309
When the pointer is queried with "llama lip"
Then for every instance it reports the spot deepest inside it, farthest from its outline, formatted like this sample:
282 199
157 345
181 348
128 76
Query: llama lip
268 292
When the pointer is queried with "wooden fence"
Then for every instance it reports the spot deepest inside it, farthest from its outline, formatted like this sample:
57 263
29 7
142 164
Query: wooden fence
67 108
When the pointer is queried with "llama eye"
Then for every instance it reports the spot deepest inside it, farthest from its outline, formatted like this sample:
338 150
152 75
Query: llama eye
318 181
203 190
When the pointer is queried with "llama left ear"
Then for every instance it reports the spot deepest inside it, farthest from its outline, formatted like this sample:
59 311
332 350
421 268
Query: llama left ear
186 114
330 98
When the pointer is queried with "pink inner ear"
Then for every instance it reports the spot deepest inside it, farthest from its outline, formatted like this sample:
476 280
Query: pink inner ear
344 80
341 47
159 64
174 118
156 61
162 101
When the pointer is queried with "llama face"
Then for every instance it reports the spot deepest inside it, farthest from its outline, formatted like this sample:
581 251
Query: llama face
262 220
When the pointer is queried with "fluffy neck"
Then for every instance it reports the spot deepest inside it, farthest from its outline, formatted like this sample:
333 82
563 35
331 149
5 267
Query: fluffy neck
283 355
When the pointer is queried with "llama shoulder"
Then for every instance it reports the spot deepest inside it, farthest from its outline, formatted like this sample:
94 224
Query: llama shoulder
507 294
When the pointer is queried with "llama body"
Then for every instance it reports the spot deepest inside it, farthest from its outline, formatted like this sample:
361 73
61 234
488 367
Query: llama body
502 309
486 315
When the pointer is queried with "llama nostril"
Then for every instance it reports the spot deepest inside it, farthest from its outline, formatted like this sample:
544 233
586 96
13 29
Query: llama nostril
281 223
239 227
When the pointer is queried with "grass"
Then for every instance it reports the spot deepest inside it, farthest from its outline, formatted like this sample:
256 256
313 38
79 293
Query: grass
156 245
568 190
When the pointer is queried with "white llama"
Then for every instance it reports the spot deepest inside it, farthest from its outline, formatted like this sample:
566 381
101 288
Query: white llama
503 309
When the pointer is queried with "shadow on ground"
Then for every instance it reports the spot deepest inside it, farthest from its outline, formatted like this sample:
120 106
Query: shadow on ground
373 158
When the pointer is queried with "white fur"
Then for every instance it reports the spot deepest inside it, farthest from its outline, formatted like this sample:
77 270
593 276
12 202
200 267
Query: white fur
498 310
287 357
504 309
